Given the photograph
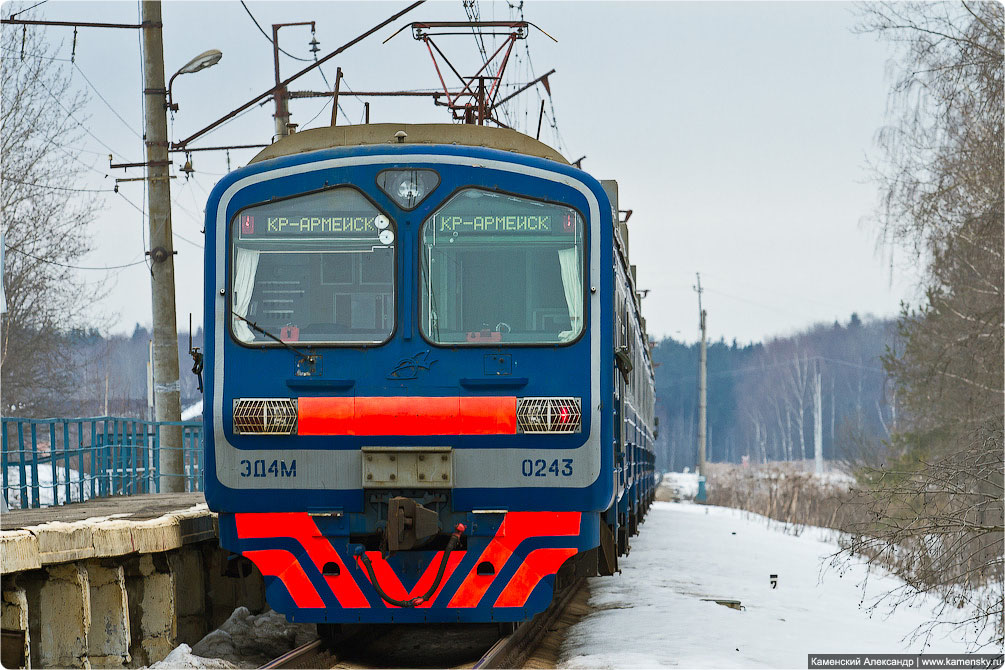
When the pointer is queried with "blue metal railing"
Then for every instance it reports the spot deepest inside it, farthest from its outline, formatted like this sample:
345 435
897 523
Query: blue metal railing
56 461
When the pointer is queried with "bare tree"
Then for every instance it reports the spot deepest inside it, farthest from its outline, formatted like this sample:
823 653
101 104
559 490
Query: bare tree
935 510
44 217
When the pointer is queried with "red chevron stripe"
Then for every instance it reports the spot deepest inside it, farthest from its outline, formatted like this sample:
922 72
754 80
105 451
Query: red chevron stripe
284 565
539 564
515 528
301 527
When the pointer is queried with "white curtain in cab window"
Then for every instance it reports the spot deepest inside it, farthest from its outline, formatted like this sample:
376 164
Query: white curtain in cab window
245 269
572 282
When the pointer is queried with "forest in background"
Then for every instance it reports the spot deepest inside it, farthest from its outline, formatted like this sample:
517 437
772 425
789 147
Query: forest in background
99 372
760 395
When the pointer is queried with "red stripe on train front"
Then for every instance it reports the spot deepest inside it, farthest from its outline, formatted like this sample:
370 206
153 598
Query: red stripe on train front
397 415
284 565
301 527
515 528
539 564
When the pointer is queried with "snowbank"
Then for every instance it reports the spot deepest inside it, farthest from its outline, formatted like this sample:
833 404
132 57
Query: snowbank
244 640
653 614
192 412
680 485
182 657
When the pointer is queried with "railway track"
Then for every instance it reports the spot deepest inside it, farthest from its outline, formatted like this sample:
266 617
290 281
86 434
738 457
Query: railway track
506 651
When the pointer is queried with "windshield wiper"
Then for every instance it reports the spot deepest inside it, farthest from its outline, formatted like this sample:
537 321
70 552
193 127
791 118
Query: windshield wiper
289 346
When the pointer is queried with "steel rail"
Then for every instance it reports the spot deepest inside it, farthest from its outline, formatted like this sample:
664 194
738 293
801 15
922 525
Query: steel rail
510 651
514 649
293 655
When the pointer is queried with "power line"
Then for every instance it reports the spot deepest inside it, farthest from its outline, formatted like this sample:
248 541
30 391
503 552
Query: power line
72 267
60 188
81 125
107 104
775 366
143 212
266 35
22 11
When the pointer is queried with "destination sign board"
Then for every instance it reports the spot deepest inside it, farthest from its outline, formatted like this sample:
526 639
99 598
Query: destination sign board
547 224
298 226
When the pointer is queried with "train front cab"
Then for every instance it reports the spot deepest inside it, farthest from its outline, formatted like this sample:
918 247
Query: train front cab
409 378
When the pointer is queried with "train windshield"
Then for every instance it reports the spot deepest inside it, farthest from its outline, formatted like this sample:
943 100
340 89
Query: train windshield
315 268
501 268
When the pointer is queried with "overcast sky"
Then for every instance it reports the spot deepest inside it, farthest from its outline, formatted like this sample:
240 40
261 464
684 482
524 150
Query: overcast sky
739 133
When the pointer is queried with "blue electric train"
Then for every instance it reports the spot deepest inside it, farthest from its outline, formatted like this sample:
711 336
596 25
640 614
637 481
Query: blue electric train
429 394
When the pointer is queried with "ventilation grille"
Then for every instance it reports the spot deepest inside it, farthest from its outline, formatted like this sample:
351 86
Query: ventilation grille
265 416
549 415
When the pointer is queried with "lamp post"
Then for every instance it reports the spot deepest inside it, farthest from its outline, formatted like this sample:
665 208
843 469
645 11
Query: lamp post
167 390
201 62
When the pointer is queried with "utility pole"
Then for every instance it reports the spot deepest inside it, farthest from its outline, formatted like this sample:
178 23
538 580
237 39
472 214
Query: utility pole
701 393
167 392
818 423
281 94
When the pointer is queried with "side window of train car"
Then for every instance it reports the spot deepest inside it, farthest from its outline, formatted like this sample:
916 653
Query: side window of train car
315 268
497 268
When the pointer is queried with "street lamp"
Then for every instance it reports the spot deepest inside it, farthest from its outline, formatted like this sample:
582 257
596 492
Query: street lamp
201 62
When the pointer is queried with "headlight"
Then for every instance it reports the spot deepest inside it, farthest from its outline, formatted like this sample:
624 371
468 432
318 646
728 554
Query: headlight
408 187
549 415
265 416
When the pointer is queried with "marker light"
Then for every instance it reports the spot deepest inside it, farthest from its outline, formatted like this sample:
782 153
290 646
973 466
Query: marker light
265 416
408 187
549 415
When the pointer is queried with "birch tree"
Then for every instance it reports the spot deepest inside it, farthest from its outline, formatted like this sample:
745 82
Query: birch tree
44 224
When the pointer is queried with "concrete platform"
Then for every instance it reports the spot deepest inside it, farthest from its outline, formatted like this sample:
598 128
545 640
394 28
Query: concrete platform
103 528
114 582
137 508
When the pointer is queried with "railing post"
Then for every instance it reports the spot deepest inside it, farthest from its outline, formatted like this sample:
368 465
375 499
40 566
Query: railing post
20 459
157 456
106 460
80 458
34 466
94 455
4 460
52 463
66 457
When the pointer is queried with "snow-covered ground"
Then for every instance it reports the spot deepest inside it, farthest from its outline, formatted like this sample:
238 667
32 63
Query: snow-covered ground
45 492
653 614
680 485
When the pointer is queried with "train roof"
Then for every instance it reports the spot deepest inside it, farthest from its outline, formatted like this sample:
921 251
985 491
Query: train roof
503 139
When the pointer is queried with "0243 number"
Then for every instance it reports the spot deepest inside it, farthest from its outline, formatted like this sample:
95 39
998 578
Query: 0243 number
542 468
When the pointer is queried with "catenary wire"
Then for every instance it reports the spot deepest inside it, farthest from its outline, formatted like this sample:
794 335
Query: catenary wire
266 35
